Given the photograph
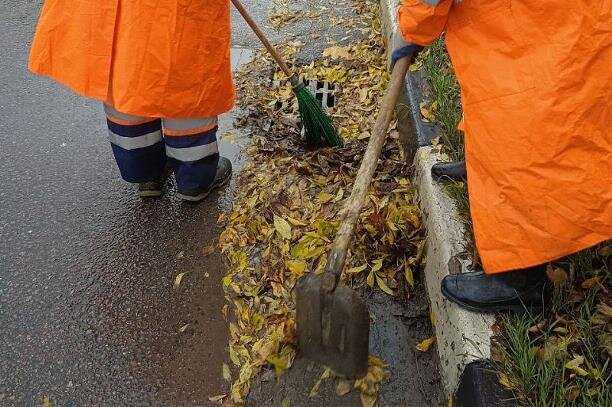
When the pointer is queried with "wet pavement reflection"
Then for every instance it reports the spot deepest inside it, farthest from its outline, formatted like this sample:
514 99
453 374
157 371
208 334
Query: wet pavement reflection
88 310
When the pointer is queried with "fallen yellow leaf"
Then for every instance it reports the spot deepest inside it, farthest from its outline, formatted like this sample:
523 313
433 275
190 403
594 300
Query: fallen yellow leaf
295 222
178 279
358 269
424 345
561 330
377 265
370 279
279 364
297 267
383 286
315 389
368 400
325 197
227 374
409 275
283 228
574 365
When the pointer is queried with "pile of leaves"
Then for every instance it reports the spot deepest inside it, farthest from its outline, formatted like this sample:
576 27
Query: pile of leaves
288 204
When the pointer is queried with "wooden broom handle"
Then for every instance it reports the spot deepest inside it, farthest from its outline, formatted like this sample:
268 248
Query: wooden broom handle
262 37
352 208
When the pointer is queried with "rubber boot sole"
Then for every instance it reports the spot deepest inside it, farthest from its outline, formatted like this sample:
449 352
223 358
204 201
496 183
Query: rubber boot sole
150 194
203 195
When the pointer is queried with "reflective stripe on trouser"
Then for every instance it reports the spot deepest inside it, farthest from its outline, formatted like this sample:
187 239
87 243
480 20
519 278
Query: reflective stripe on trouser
191 147
137 144
188 145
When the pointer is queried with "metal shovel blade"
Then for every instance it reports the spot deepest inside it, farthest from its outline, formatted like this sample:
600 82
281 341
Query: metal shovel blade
333 328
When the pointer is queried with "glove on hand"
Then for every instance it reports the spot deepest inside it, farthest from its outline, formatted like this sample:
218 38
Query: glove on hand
401 48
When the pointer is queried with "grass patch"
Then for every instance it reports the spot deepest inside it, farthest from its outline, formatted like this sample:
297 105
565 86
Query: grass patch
447 94
563 357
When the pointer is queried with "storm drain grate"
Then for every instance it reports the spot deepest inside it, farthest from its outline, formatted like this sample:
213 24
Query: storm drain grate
323 92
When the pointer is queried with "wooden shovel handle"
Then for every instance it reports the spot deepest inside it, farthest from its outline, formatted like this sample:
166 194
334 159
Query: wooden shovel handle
352 208
262 37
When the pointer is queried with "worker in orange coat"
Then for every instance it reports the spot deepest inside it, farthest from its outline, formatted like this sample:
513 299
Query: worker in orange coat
536 90
162 70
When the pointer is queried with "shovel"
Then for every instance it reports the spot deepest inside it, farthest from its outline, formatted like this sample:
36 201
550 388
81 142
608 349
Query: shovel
333 321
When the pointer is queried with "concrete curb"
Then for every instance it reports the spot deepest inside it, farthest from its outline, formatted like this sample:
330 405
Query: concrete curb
462 336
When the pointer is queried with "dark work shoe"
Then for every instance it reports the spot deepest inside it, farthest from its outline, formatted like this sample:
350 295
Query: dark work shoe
515 291
456 171
151 189
222 178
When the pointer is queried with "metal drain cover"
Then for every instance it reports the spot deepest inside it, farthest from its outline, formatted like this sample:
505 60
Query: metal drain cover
323 92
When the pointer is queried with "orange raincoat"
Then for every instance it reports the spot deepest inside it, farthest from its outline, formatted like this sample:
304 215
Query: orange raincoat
536 82
163 58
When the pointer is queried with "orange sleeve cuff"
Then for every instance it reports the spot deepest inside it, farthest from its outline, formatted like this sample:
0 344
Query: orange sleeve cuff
421 23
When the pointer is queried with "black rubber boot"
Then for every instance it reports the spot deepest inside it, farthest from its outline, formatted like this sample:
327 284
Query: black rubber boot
455 171
223 176
479 387
516 291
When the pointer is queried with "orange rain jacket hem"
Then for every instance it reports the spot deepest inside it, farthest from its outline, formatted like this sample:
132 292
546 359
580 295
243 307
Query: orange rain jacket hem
154 59
536 90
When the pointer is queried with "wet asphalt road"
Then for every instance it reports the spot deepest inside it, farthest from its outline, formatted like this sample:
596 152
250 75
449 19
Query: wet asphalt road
88 312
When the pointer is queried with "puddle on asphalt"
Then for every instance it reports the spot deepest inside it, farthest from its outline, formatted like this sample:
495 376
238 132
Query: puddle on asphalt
233 140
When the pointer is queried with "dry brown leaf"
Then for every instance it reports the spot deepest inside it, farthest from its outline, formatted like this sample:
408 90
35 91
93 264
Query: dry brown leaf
605 309
337 52
573 393
557 276
208 250
505 381
217 398
590 283
343 387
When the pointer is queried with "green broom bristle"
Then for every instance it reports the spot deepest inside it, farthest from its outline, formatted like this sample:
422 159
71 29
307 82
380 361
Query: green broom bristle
317 124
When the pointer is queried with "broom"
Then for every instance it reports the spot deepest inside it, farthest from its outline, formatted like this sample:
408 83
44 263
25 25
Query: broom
317 124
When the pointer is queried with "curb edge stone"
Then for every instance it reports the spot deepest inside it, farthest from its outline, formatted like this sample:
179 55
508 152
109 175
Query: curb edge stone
462 336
